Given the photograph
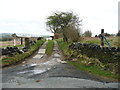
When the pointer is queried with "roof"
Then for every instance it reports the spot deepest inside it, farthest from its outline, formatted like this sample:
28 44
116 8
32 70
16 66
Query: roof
33 35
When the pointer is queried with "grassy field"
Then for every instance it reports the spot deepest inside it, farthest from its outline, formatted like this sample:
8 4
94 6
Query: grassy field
92 40
90 69
49 47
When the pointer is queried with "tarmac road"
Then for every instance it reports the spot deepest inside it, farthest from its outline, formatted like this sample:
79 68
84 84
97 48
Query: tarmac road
41 71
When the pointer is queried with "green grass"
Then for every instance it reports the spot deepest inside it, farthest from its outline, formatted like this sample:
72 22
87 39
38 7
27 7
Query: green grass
63 46
90 69
94 70
91 41
49 47
19 57
113 41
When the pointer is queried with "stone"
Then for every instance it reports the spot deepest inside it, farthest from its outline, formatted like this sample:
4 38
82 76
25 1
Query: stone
42 51
56 55
74 60
38 56
63 62
58 60
38 80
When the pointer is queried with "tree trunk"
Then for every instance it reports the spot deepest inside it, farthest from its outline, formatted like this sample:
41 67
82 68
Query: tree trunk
65 38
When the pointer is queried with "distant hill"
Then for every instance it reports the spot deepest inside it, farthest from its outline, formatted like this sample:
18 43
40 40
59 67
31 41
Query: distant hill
5 36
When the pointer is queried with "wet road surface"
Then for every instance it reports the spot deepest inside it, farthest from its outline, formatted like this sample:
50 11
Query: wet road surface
41 71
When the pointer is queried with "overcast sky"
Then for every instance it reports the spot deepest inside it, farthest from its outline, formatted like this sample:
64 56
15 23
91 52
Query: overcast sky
29 16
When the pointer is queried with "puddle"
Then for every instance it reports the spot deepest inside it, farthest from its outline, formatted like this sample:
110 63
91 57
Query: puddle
32 64
38 71
33 69
33 72
22 72
29 65
48 68
52 62
47 62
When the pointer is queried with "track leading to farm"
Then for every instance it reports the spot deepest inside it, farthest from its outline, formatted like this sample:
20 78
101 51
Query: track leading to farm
41 71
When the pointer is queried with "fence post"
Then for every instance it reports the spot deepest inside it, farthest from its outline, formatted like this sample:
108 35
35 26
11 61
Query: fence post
14 36
21 41
102 38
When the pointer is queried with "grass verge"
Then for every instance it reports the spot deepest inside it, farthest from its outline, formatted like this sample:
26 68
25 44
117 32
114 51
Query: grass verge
19 57
49 47
94 70
90 69
63 46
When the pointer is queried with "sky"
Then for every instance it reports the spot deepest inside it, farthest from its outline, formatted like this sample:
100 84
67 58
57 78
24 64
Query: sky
119 16
29 16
